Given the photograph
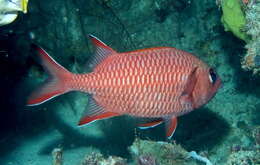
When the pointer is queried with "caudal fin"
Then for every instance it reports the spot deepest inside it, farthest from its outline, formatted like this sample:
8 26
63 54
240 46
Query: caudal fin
56 84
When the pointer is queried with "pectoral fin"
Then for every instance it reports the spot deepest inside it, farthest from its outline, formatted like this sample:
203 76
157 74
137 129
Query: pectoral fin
186 96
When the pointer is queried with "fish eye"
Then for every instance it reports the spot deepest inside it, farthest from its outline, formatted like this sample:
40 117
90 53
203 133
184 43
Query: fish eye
212 76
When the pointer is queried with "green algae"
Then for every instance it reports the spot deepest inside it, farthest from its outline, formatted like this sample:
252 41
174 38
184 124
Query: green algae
233 18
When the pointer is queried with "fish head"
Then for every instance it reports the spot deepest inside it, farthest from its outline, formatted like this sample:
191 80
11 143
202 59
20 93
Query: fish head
207 84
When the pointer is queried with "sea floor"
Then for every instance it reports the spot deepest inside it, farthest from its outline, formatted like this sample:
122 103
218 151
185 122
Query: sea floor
31 151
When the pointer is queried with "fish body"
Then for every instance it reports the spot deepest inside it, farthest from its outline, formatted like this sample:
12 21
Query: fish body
161 82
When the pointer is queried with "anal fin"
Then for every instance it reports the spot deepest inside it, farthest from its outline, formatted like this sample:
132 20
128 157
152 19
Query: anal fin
91 118
94 112
171 125
150 124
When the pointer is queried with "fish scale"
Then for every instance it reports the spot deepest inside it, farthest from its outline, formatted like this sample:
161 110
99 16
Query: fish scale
145 79
100 84
160 82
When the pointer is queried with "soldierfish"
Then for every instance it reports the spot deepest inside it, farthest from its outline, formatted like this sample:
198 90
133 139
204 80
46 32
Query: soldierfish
161 83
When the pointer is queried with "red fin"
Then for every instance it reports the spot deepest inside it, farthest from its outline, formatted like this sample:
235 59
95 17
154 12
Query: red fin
101 50
94 112
55 84
186 96
88 119
171 125
191 82
150 124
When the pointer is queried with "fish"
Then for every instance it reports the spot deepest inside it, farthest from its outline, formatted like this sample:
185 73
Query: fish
159 83
9 10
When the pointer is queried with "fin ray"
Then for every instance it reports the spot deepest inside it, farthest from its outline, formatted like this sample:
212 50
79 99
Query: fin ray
94 112
186 96
55 84
150 124
171 125
102 51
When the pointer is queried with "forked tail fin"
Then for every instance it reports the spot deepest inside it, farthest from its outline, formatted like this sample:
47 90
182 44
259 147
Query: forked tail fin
57 82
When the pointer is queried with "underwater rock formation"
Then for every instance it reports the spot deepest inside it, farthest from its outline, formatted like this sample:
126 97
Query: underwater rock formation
146 160
163 152
251 61
98 159
242 18
244 158
57 156
246 155
148 152
256 135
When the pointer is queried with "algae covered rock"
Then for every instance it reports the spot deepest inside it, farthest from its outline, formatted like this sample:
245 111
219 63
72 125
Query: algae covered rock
256 135
246 155
57 156
243 20
161 153
233 18
251 61
244 158
99 159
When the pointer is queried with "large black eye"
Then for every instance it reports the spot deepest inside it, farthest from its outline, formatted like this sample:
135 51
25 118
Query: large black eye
212 76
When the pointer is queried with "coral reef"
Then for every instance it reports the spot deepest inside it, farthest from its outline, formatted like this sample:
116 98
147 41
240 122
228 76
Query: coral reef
57 156
98 159
163 152
244 158
152 153
242 18
256 135
146 160
251 61
92 159
246 155
233 18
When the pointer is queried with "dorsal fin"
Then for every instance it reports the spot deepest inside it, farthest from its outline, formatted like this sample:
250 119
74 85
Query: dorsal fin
102 51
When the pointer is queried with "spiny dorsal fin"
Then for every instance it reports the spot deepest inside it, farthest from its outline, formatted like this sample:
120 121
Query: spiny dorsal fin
102 51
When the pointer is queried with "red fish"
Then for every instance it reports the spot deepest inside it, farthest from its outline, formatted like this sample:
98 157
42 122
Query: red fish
161 83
